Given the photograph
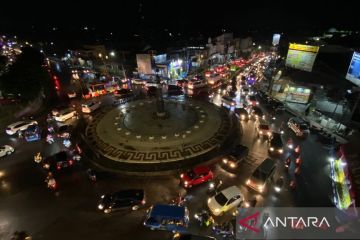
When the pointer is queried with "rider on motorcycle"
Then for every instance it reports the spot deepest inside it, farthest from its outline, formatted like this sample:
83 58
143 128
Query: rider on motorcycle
38 157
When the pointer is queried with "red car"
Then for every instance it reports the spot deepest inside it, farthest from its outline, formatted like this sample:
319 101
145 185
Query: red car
196 176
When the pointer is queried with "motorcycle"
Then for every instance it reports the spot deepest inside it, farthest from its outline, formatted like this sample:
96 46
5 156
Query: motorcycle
91 174
67 143
214 186
204 218
226 230
38 157
51 183
50 139
279 184
179 201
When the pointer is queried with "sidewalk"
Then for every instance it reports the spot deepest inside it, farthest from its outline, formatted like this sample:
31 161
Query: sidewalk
299 110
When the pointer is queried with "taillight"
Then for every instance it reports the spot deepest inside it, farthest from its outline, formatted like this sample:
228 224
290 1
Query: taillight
70 162
143 202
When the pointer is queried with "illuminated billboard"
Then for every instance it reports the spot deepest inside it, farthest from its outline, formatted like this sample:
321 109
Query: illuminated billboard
301 56
353 73
276 39
144 63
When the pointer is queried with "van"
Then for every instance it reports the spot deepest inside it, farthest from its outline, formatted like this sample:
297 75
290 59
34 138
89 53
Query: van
299 126
90 107
171 218
262 175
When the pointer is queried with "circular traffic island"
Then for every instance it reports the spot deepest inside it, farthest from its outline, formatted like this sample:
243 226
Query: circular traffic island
133 139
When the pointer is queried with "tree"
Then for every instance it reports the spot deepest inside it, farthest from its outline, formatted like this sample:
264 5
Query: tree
27 76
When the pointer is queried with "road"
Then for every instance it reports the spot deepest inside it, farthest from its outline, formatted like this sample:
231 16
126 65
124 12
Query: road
71 212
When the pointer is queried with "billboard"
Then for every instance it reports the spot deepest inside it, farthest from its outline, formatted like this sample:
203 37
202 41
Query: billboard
301 56
144 63
276 39
353 73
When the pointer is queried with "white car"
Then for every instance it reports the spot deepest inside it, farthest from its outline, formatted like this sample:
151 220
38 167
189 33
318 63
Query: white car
225 200
90 107
64 115
6 150
19 126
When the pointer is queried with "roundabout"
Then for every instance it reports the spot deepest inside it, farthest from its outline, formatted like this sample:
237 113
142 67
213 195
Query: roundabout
133 138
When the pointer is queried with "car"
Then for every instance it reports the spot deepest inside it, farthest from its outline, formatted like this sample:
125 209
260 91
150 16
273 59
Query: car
262 176
64 131
263 129
137 81
225 200
276 145
124 93
227 100
151 83
58 161
58 109
252 100
174 90
182 83
299 126
71 94
124 199
196 176
90 107
6 150
276 105
179 236
241 113
257 113
65 115
236 155
32 133
20 126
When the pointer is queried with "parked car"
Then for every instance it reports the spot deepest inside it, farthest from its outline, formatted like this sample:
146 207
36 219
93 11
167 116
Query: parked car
235 157
196 176
90 107
225 200
276 145
17 127
6 150
124 93
124 199
65 115
299 126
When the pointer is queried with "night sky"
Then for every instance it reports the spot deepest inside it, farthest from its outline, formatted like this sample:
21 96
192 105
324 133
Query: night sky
134 21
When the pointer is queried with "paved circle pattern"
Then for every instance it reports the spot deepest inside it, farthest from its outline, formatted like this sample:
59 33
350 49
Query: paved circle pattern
119 135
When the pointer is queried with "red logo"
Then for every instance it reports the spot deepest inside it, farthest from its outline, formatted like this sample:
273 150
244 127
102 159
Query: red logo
252 220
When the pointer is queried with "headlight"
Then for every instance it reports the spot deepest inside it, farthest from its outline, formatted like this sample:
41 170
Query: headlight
102 196
248 182
216 210
261 188
225 161
186 183
100 206
271 149
209 200
182 175
277 189
242 116
268 133
281 151
232 165
261 132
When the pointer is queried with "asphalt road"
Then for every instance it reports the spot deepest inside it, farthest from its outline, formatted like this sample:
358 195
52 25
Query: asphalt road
71 212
